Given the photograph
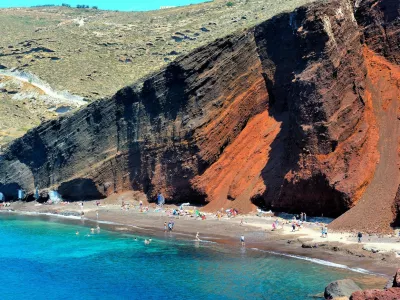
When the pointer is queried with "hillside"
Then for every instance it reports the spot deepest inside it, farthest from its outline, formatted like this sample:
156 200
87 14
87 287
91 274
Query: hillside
94 53
299 113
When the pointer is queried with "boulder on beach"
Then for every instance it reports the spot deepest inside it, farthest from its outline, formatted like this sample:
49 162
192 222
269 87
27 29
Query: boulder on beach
341 288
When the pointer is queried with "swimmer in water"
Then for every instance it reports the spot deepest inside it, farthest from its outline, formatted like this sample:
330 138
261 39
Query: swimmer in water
197 237
150 241
98 228
92 230
77 233
135 240
146 242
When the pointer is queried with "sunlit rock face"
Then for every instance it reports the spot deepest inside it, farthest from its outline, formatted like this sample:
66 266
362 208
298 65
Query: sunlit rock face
297 114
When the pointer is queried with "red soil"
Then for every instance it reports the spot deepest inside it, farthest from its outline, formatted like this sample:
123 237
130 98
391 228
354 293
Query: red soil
374 212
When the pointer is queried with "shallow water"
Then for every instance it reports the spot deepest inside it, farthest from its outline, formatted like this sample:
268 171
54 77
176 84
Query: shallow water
41 259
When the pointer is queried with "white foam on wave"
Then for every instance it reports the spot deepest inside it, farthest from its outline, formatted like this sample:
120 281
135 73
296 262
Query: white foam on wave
321 262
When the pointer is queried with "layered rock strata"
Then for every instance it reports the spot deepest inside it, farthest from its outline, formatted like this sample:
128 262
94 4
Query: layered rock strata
291 115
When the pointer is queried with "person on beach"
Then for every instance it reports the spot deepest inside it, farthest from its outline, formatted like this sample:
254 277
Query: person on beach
140 205
197 237
165 226
242 240
273 226
293 227
301 216
326 231
359 235
97 214
98 229
170 226
305 217
241 222
322 231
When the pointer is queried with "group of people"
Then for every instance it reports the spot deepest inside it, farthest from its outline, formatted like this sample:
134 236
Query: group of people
303 217
169 226
324 231
92 231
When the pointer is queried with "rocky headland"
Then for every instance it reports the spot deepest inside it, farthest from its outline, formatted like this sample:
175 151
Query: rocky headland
299 113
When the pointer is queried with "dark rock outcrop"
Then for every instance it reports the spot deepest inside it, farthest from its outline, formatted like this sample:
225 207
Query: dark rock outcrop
341 288
283 115
396 279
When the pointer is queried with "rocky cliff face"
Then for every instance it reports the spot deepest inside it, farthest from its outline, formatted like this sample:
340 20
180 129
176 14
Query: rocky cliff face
289 115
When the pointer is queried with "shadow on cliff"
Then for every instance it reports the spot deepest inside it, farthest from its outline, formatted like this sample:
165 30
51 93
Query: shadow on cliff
282 52
159 101
79 189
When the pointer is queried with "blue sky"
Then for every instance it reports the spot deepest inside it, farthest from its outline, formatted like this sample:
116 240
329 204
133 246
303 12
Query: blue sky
125 5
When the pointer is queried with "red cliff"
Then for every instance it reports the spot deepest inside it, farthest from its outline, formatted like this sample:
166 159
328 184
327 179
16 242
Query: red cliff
297 114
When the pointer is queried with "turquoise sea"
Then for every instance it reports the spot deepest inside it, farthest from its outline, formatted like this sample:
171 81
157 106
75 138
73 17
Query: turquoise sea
123 5
46 260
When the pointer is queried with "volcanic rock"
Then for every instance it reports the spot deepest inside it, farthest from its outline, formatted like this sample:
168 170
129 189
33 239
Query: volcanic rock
297 114
389 294
341 288
396 279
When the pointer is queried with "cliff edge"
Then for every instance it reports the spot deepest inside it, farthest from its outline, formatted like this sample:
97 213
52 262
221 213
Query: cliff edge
299 113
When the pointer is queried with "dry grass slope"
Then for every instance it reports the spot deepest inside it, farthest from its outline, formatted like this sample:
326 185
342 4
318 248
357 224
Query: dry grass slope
94 53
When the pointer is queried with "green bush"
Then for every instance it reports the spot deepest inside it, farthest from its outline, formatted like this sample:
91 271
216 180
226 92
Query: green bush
229 4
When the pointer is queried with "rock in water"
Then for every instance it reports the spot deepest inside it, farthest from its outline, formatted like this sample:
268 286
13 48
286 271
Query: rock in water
341 288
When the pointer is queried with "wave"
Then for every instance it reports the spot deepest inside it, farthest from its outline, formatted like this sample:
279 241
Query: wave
321 262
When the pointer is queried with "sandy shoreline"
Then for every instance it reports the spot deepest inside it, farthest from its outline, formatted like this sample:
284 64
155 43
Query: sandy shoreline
338 250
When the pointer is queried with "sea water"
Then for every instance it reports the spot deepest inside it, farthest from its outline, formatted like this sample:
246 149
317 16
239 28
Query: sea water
46 260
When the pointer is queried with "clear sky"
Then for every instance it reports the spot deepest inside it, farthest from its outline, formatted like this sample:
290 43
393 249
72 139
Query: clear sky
126 5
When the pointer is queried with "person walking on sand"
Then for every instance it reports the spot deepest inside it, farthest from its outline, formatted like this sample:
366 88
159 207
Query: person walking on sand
241 222
165 226
359 235
305 217
242 240
197 237
293 227
322 231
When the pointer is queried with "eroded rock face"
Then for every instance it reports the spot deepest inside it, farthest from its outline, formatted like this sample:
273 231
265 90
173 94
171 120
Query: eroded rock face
283 115
389 294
